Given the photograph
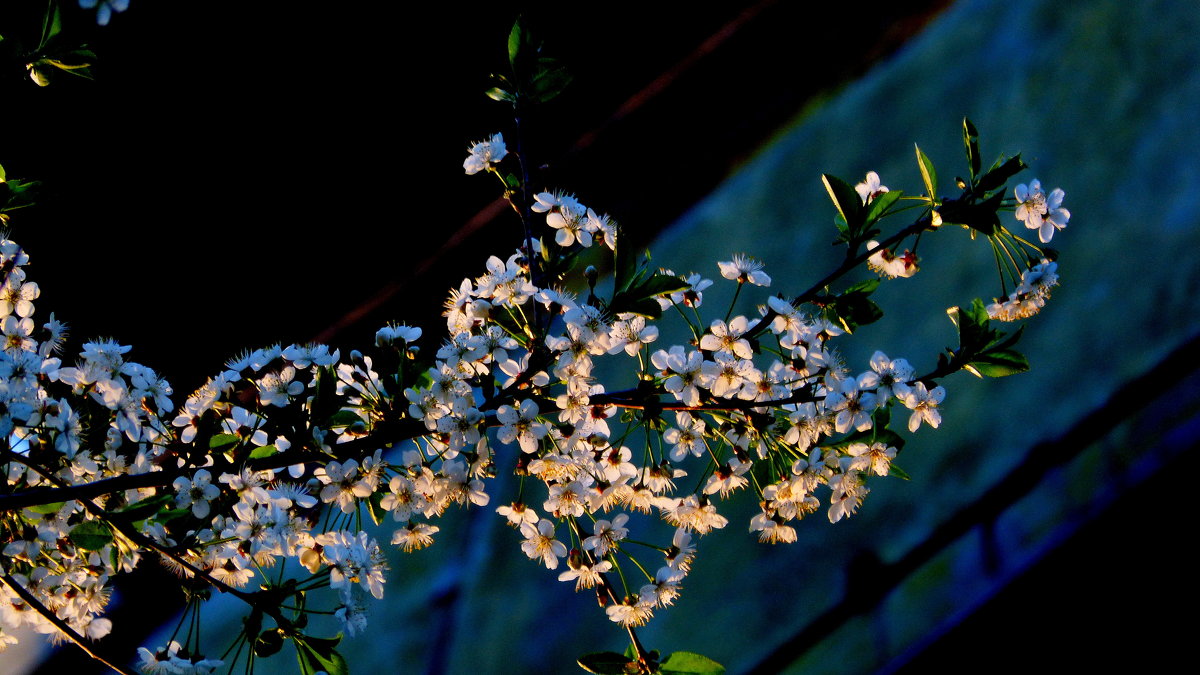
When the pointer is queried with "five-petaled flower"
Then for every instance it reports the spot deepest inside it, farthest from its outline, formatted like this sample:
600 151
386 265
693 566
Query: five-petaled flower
743 269
1039 211
540 543
485 154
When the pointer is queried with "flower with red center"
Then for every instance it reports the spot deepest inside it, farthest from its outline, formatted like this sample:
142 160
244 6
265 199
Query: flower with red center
871 188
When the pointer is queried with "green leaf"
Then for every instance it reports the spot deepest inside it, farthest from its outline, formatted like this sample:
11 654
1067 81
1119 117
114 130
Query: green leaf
317 654
549 83
629 303
896 471
323 645
498 94
3 176
928 173
883 417
334 663
45 509
51 24
516 38
145 508
690 663
864 287
661 284
17 194
853 308
264 451
984 351
978 313
843 232
171 514
78 60
220 441
91 535
1000 172
846 199
879 206
1000 362
887 437
308 665
343 418
971 143
624 264
604 663
269 642
973 331
523 51
375 506
325 401
978 215
1004 341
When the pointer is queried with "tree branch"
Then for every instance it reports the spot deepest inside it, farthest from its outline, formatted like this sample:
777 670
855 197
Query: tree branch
142 541
393 432
919 226
61 625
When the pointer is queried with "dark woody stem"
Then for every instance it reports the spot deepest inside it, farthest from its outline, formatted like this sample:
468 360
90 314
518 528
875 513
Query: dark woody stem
638 649
524 210
142 541
389 432
617 399
921 225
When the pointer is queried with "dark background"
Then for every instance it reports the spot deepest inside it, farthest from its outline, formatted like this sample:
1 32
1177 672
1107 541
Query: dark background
237 177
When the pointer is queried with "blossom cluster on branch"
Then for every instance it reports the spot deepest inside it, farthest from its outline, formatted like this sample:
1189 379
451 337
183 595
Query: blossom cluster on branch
258 483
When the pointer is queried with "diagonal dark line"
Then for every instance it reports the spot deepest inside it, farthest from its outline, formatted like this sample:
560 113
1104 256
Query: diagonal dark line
657 88
861 596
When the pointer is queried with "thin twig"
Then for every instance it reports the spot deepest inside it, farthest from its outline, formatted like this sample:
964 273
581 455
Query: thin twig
142 541
919 226
61 625
526 216
638 648
390 432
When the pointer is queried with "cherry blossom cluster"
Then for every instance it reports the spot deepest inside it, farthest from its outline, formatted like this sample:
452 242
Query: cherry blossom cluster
257 485
52 437
1030 295
1045 214
791 409
219 521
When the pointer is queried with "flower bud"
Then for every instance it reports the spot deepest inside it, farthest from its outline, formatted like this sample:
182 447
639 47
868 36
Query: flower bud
37 75
268 643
